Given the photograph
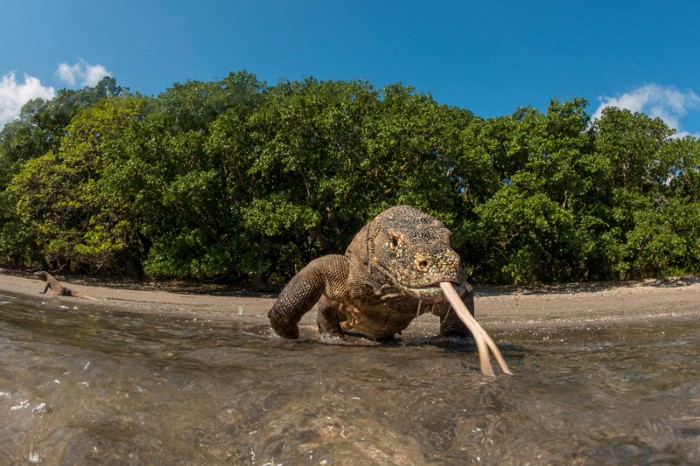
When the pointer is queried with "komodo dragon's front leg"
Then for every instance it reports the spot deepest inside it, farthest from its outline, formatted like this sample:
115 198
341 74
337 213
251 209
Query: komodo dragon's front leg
326 276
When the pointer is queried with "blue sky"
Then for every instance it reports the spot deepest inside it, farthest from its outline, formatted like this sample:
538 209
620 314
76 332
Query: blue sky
488 57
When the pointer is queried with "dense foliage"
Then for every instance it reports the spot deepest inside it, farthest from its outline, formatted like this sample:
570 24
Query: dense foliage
239 180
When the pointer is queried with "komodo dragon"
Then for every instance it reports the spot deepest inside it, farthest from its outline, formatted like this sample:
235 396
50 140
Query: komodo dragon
57 288
396 268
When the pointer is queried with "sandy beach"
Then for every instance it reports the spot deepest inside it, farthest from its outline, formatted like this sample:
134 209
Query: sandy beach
497 308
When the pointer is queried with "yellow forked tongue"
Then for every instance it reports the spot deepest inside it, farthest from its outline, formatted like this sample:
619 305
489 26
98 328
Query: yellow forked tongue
483 341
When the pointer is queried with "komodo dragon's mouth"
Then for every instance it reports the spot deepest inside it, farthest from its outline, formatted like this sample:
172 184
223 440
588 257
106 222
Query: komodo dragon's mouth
433 290
452 292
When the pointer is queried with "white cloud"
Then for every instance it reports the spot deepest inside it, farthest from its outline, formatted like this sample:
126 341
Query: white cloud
14 94
68 73
665 102
95 74
81 73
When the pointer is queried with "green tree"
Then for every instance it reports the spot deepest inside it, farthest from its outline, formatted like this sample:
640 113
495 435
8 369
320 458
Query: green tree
665 240
527 230
237 180
300 168
683 157
61 196
39 129
194 105
195 222
630 168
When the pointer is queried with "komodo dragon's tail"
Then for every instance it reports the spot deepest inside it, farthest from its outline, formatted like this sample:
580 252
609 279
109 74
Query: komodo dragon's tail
78 294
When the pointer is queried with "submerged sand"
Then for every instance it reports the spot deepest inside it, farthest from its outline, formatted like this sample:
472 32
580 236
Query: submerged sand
497 308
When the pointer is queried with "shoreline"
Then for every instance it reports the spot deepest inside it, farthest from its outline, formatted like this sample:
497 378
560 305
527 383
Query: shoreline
497 308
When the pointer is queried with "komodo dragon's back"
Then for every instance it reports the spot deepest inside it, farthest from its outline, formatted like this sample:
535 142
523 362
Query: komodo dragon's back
390 274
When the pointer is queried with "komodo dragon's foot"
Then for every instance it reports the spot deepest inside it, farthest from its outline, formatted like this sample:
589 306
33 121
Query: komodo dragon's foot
283 328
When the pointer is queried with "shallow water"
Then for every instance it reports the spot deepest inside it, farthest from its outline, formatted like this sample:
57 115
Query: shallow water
92 388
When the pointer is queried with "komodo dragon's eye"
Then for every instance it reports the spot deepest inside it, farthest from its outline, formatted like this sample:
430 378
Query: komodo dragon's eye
396 239
394 242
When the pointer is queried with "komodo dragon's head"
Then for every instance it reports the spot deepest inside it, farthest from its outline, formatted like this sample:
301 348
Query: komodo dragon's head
411 251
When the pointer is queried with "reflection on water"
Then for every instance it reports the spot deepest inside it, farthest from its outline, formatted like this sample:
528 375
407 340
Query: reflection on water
82 388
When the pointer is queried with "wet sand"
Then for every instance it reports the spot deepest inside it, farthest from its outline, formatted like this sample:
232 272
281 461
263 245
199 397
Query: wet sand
497 308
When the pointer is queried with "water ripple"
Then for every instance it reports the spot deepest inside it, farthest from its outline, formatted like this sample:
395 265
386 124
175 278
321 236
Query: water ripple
80 388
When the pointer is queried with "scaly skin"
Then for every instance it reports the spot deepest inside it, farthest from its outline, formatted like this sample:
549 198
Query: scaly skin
390 274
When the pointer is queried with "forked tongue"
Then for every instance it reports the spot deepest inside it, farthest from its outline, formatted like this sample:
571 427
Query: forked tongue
483 341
